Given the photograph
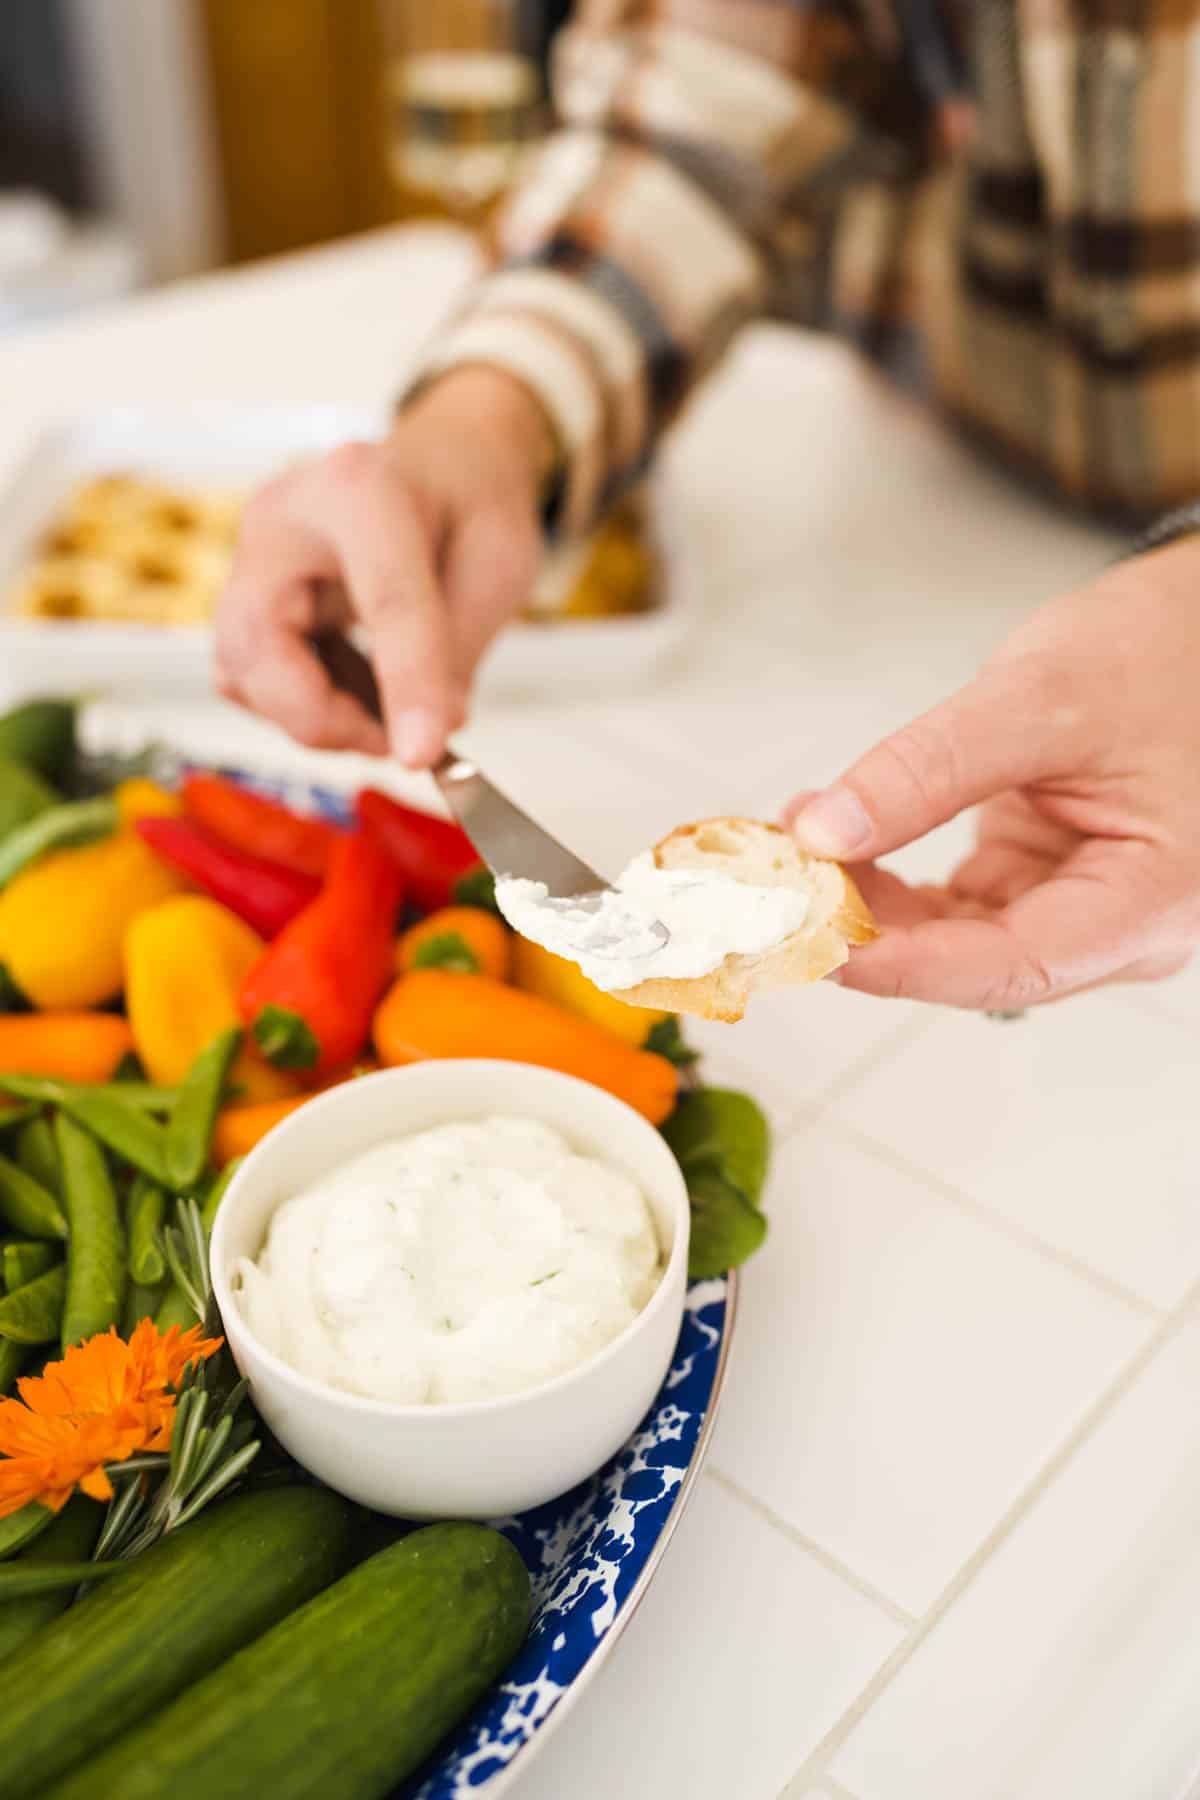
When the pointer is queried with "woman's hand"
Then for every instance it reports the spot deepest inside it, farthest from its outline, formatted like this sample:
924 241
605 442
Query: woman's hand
1081 741
430 540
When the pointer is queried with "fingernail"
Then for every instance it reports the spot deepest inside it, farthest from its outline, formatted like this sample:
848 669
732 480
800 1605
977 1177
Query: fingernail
417 739
836 823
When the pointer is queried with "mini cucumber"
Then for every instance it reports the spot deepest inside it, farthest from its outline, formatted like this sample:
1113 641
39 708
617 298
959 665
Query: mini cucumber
70 1537
131 1645
347 1696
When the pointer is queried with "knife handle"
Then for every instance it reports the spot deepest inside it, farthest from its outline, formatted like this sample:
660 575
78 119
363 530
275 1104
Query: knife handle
349 670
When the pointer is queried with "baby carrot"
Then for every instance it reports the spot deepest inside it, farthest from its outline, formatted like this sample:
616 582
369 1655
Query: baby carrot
75 1046
433 1013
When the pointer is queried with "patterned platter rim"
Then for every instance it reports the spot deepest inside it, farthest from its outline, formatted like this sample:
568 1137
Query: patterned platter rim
476 1745
503 1780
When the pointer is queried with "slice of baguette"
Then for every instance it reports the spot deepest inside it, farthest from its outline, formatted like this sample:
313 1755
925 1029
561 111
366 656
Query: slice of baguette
762 856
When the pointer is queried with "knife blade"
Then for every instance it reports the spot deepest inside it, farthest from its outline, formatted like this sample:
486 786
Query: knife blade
508 840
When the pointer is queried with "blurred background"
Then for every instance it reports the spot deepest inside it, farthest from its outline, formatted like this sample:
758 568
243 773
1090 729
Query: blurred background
144 140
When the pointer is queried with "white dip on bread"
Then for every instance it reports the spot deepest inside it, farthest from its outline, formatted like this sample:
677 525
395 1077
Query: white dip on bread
710 915
469 1261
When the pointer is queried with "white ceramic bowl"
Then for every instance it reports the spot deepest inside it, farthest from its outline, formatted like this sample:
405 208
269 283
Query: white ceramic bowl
483 1459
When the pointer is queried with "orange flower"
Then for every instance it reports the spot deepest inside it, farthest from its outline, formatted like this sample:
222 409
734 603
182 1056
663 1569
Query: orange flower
106 1400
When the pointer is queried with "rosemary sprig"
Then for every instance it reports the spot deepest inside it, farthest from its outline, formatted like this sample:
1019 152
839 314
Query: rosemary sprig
211 1447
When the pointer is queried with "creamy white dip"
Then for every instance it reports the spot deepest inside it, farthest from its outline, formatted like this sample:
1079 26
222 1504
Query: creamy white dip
709 915
469 1261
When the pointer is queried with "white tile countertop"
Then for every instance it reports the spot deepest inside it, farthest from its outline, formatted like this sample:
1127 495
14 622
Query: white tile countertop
946 1544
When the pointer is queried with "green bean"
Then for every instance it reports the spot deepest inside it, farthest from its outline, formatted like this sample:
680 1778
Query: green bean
216 1193
24 1262
190 1127
13 1117
33 1314
27 1206
144 1214
12 1361
138 1096
96 1271
37 1155
141 1302
75 822
122 1128
70 1538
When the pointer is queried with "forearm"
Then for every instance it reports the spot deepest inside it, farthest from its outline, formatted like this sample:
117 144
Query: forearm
644 236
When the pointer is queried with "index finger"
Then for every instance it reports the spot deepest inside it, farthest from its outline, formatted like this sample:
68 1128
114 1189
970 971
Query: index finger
388 567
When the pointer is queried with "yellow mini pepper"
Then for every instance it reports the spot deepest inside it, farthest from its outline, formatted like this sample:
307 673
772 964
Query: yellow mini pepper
63 919
552 978
185 962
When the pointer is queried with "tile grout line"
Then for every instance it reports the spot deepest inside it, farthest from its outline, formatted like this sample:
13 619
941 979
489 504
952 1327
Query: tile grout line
814 1767
906 1620
897 1038
834 1789
995 1221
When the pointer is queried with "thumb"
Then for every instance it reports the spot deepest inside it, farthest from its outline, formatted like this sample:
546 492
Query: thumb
1000 731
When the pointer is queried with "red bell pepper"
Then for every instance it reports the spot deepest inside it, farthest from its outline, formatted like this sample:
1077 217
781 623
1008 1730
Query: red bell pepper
431 854
310 998
262 893
259 826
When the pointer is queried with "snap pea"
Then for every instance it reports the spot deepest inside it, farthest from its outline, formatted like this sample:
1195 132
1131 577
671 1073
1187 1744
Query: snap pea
19 1528
24 1262
139 1096
12 1359
144 1214
175 1309
216 1192
40 734
27 1206
19 1581
145 1096
37 1155
120 1127
23 795
34 1313
70 1538
141 1303
74 822
96 1274
190 1127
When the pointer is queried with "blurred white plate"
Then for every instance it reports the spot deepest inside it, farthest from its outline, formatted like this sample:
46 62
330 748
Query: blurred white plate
229 448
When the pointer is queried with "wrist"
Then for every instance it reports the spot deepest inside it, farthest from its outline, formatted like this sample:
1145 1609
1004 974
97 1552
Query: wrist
489 401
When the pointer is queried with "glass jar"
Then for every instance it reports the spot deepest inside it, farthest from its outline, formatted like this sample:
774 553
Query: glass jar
464 102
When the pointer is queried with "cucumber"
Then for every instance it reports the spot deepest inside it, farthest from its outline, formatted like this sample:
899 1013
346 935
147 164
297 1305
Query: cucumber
130 1645
40 734
70 1538
348 1695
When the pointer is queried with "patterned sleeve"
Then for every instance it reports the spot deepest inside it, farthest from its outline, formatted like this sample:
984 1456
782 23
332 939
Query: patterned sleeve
693 132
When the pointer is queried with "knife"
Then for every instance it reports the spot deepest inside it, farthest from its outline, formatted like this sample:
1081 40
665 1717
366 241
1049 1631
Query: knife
508 840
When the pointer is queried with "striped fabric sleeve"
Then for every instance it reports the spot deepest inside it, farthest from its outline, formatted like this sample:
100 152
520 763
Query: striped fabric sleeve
643 235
